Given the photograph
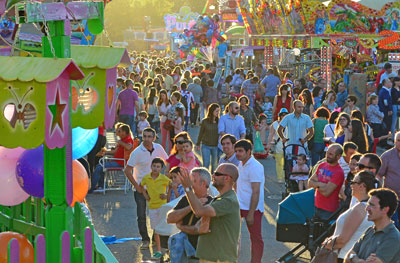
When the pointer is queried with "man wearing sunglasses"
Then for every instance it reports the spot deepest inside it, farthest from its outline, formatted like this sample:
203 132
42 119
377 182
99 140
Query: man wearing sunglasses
232 122
220 243
368 162
390 171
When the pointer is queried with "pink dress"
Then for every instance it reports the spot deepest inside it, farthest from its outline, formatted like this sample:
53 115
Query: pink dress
190 165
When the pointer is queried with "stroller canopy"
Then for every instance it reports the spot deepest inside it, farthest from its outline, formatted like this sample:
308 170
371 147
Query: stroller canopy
296 208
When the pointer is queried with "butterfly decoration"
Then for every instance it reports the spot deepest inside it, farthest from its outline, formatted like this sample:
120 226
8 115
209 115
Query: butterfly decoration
83 95
18 111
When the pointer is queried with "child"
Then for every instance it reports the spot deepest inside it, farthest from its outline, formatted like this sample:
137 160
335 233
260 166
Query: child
375 116
155 192
267 108
175 189
179 121
142 124
301 167
188 161
263 128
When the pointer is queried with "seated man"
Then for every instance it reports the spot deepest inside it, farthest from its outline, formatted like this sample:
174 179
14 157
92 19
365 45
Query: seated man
327 180
380 242
124 144
184 218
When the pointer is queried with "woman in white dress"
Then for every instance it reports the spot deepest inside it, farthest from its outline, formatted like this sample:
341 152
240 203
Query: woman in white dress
353 222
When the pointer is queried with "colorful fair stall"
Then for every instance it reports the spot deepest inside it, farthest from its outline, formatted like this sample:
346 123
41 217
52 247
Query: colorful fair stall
42 218
339 33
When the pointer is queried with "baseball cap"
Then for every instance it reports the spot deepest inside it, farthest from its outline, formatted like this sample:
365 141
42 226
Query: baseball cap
282 111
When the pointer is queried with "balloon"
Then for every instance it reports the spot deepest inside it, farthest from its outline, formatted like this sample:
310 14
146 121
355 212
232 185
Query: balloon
80 182
192 23
29 172
26 252
190 57
83 141
10 192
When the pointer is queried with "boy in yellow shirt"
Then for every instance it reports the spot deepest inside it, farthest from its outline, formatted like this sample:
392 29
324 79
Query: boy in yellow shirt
156 189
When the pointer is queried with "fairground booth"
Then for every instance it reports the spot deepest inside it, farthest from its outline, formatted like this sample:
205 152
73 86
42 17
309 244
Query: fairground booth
325 42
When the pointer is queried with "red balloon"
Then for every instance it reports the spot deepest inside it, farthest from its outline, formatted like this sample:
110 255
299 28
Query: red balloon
26 252
80 181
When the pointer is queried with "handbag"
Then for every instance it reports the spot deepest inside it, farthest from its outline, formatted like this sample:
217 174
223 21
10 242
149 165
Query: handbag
168 125
324 255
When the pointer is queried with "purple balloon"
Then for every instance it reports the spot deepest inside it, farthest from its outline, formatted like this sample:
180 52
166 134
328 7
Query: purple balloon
29 172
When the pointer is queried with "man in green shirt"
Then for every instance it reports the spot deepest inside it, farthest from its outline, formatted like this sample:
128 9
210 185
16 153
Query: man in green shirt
220 242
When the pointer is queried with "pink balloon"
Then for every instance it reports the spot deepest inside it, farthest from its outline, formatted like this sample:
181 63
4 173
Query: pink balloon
192 23
10 192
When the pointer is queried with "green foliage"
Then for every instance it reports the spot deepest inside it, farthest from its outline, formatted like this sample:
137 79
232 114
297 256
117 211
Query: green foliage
121 15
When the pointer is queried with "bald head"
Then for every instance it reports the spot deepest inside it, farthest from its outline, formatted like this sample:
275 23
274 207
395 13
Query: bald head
230 169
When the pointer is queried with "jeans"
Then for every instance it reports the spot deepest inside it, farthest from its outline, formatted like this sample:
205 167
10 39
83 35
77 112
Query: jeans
208 152
130 120
180 248
257 243
395 119
92 159
141 215
322 214
186 122
99 174
194 113
317 153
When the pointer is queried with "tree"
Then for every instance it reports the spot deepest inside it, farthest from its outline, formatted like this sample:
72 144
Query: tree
121 15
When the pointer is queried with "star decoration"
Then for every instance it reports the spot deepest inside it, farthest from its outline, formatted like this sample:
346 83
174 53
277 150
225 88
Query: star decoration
56 110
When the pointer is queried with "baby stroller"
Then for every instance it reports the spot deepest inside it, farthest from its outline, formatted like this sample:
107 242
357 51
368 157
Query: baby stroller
296 224
290 153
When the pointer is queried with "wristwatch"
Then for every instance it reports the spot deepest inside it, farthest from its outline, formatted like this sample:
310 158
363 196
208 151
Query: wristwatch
188 189
351 257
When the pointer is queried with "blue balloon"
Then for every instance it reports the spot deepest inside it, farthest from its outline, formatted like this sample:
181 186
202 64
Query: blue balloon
29 172
240 19
83 141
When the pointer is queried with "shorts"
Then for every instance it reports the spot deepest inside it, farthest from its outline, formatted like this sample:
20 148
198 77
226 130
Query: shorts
299 178
155 217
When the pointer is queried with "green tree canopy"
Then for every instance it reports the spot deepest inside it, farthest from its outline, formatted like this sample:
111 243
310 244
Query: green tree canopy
124 14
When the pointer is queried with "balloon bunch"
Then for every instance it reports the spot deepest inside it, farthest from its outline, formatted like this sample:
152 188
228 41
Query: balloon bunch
23 174
204 32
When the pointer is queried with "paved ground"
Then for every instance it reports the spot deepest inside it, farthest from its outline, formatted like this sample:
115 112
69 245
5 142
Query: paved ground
115 214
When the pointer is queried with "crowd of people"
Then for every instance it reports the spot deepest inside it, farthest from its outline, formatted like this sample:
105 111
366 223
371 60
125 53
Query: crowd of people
164 96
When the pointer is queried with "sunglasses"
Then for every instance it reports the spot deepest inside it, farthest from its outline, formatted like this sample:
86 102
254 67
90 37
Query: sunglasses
362 166
182 142
342 119
220 174
354 182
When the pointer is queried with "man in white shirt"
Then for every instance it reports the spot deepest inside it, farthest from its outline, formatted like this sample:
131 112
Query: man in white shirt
250 192
140 164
